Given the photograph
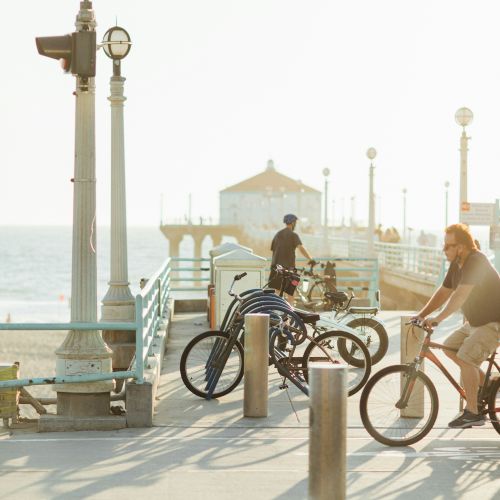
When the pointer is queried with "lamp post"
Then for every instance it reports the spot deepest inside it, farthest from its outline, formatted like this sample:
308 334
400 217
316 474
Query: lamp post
326 173
404 215
371 154
84 352
463 117
118 303
446 186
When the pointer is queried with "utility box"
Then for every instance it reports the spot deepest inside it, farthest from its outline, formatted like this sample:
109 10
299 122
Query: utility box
226 266
221 250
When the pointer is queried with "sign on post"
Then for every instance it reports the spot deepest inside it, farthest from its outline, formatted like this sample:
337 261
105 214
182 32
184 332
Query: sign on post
477 214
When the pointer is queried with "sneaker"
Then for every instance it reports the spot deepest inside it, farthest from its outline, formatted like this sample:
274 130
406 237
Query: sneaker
466 420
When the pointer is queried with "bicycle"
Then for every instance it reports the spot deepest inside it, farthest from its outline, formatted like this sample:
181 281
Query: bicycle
362 319
318 284
212 363
399 404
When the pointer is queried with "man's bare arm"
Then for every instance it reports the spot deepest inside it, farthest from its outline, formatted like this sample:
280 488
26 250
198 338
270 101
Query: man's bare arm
439 297
455 303
304 252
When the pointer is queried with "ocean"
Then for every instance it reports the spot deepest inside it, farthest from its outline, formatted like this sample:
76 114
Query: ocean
35 268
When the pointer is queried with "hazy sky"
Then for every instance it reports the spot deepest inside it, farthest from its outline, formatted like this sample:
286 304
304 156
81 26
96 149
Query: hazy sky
216 88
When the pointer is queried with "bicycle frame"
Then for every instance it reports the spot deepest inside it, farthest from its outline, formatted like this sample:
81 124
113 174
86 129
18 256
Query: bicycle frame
426 353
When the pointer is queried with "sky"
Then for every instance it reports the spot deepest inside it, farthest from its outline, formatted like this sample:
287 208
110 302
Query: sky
217 88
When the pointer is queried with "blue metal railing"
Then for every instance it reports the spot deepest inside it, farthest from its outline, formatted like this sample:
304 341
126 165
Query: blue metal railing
151 309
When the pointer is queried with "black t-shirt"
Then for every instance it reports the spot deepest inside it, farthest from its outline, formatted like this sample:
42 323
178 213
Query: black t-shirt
283 247
483 304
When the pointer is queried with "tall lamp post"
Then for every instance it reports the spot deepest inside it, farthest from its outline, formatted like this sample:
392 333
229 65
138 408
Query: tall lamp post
82 351
118 304
446 186
463 117
404 215
371 154
326 173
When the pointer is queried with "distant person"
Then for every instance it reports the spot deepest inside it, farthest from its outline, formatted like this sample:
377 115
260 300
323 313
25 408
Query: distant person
283 247
473 285
378 232
422 239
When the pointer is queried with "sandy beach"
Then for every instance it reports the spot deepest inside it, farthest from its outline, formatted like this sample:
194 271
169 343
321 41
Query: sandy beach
35 352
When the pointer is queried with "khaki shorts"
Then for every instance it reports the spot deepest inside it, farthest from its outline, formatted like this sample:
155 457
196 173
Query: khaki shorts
475 343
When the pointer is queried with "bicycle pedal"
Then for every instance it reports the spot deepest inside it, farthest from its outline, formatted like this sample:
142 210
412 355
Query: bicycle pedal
283 386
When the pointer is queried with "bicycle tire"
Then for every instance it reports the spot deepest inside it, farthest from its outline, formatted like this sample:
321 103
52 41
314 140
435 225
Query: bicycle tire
494 405
383 420
357 375
376 330
195 377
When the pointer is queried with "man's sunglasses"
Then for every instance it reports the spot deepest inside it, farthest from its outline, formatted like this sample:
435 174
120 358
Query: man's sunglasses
449 245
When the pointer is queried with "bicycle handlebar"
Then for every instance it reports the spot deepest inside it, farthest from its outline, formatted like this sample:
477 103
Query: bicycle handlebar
419 324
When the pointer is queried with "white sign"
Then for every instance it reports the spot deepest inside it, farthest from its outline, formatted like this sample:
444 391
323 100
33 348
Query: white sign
477 214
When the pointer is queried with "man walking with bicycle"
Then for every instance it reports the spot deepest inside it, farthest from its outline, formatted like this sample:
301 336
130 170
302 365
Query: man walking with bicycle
283 247
473 285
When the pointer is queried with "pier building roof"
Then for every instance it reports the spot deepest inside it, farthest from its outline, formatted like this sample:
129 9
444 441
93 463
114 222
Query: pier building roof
270 180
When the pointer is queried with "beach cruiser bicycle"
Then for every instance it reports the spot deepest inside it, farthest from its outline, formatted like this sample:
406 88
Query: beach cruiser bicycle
399 404
322 295
211 365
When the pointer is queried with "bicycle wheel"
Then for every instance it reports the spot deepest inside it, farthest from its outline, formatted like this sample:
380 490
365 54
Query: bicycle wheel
380 406
494 405
374 336
356 375
199 363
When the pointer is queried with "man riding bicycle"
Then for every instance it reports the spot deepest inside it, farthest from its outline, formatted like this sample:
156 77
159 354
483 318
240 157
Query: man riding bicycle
473 285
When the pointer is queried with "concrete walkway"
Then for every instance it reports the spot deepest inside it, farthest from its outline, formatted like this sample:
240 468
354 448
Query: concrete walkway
206 449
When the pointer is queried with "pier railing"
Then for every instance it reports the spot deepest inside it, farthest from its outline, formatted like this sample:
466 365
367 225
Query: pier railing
151 312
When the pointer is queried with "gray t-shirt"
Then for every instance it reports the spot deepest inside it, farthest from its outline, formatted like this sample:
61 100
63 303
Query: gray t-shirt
483 304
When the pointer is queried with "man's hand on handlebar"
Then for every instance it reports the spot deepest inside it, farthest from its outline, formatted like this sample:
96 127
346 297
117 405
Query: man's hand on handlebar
428 324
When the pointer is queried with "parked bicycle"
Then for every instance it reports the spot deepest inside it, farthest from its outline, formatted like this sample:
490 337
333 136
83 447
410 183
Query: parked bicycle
399 404
212 363
322 295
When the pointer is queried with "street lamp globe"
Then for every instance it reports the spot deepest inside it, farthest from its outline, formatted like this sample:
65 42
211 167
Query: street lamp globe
326 171
447 184
116 43
464 117
371 153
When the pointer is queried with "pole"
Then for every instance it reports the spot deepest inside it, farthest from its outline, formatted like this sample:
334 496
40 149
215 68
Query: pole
327 431
446 208
463 171
371 214
404 215
325 228
256 365
84 351
118 304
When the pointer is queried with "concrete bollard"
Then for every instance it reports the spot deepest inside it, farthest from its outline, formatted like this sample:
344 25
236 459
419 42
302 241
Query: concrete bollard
327 431
256 363
411 342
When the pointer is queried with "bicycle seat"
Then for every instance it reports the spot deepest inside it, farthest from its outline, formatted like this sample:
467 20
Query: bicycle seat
337 297
306 316
363 310
268 290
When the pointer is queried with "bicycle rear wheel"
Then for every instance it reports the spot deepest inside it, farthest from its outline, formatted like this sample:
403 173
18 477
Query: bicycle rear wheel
201 361
380 406
374 336
494 405
357 374
316 295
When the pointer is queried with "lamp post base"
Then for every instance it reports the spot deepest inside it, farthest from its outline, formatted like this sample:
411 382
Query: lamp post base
83 405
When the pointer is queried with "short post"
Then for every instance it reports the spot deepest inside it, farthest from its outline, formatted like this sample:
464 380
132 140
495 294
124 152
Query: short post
327 431
255 390
411 342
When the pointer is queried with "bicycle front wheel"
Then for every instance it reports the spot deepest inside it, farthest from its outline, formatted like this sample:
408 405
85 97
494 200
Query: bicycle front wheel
374 336
397 409
494 405
357 374
202 360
